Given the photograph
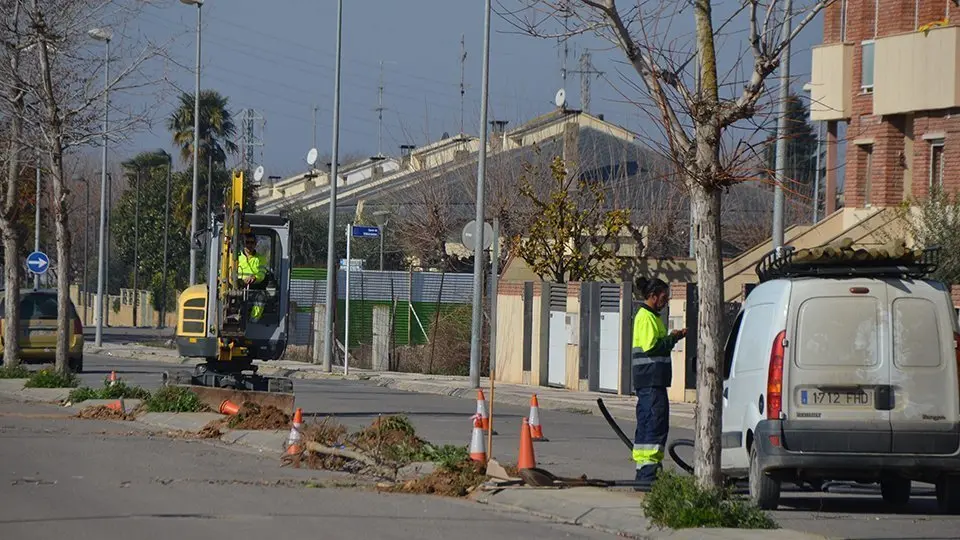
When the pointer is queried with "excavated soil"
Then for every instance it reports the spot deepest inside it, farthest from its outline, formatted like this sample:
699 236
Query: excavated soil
252 416
458 481
102 412
210 431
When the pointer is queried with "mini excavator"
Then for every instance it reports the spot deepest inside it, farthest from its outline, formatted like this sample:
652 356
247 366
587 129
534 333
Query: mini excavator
214 320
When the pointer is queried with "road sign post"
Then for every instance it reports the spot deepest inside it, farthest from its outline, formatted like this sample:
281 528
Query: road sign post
353 231
38 263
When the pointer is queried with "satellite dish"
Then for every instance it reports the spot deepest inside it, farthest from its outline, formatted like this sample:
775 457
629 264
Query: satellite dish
312 156
258 174
561 98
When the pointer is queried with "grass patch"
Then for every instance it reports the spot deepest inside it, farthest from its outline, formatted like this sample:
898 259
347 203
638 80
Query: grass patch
14 372
677 502
174 399
115 391
52 379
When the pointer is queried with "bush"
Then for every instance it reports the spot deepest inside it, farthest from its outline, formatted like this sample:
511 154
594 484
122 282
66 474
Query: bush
677 502
14 372
174 399
447 457
116 391
52 379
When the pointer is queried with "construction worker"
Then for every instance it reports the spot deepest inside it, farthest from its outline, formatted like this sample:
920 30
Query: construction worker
252 271
652 374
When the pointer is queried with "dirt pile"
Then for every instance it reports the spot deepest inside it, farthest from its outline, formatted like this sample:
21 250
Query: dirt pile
252 416
458 480
210 431
102 412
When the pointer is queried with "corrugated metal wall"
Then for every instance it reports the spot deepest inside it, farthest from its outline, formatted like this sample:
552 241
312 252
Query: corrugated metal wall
413 298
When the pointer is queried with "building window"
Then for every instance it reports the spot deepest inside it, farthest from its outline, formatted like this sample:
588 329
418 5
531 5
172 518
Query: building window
867 172
936 164
866 72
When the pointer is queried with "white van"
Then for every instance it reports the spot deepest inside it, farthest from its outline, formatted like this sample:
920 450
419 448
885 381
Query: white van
847 375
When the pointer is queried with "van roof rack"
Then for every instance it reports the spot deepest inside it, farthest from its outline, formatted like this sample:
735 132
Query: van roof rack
789 262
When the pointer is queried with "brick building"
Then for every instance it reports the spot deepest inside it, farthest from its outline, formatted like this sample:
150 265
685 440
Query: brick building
887 74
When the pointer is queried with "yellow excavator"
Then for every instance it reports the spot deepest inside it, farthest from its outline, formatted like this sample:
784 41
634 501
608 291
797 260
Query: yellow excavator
231 324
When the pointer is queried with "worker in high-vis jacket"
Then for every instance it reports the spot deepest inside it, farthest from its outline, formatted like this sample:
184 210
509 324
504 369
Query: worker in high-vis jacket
252 271
652 374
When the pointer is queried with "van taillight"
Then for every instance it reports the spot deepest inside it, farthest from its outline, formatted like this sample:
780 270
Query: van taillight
775 378
77 327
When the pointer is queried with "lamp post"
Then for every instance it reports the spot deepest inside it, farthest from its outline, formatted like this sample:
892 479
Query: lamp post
196 146
86 234
36 224
166 236
136 245
332 223
105 36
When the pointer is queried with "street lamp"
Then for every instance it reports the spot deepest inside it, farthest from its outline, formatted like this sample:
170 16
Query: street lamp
332 223
86 234
101 34
196 147
36 224
166 235
381 218
136 245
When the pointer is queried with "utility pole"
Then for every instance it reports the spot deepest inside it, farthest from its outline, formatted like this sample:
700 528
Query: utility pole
136 245
379 115
36 225
816 176
314 127
778 195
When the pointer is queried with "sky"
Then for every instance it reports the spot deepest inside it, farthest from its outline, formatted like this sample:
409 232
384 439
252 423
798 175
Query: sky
277 57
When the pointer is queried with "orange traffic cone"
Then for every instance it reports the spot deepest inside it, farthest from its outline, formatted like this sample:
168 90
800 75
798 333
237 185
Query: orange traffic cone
536 430
229 407
117 405
526 459
293 441
478 445
482 411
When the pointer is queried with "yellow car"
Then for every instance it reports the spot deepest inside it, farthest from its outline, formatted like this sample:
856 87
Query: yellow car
38 329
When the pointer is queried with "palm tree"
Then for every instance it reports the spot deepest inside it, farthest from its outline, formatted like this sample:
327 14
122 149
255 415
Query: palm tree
216 127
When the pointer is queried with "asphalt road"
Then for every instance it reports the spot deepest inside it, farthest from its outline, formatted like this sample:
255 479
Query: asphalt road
80 479
578 444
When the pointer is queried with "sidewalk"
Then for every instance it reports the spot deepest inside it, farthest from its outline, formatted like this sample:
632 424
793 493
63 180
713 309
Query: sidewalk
621 407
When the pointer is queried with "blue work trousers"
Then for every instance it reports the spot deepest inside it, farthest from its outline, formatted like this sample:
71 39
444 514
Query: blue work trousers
653 426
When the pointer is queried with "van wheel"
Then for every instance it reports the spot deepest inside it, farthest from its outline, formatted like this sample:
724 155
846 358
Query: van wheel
895 491
948 494
764 491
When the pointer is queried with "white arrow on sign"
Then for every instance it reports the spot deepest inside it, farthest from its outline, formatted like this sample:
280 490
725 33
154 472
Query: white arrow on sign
40 264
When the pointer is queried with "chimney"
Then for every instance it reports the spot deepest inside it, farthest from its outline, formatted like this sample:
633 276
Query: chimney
600 116
405 151
571 140
498 138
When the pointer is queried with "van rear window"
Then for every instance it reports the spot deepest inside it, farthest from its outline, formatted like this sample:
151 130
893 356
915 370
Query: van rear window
838 331
916 334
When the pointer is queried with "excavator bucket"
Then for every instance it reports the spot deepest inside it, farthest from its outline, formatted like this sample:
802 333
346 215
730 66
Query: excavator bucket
214 397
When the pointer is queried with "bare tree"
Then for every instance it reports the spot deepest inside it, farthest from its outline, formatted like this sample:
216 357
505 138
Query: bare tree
63 104
695 121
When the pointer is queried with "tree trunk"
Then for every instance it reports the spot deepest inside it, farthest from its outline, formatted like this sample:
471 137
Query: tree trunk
12 276
706 222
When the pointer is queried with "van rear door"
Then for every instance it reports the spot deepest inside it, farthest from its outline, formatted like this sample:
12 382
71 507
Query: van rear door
924 417
839 374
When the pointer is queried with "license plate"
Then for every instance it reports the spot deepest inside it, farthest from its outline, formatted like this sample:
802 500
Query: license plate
832 398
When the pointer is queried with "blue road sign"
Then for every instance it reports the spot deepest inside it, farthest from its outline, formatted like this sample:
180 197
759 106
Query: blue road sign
364 231
38 262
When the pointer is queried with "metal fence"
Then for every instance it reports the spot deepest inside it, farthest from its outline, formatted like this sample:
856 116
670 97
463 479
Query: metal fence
416 302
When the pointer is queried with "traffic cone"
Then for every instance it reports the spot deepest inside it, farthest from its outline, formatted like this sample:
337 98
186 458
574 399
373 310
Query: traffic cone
478 445
482 411
536 430
526 459
293 441
117 405
229 407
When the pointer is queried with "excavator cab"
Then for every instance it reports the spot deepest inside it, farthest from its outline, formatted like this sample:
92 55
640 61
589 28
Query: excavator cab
232 323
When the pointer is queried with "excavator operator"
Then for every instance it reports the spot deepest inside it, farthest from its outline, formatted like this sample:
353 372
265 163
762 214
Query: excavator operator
252 271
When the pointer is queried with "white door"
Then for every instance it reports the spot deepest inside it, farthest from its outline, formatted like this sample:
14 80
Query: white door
730 417
609 352
557 359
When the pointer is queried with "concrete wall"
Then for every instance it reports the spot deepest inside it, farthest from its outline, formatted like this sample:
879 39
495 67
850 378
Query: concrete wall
146 317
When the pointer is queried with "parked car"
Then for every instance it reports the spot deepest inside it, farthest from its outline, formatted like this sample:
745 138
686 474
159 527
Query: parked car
38 327
844 378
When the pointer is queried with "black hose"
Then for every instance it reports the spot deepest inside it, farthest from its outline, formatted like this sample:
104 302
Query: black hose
671 447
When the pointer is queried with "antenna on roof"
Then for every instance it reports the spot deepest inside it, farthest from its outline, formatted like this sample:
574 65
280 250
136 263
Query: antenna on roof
380 114
463 64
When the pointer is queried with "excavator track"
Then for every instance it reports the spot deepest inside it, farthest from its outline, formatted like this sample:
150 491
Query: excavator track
213 387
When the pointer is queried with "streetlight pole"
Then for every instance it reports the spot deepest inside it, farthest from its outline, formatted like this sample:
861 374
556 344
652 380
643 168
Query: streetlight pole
36 225
781 161
329 337
105 36
478 267
196 147
136 245
86 255
166 236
